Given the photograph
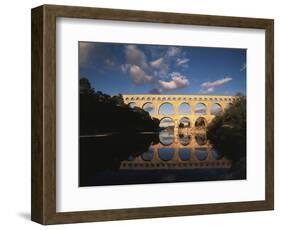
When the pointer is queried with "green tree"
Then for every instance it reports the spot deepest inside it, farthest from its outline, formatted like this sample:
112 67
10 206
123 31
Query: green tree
85 86
227 132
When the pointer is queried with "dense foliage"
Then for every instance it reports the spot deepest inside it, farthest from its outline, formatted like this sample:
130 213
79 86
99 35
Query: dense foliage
227 132
100 113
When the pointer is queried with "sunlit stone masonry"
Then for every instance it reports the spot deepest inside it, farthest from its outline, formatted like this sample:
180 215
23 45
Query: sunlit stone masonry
192 107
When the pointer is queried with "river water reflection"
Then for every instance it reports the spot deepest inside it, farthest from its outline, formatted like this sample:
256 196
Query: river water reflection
168 156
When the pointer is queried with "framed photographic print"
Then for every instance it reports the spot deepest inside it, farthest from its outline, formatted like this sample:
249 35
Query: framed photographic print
148 114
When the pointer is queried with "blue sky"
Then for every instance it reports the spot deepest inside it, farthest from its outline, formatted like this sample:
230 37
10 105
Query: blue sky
115 68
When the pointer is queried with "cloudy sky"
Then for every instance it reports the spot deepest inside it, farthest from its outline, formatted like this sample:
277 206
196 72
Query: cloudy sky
155 69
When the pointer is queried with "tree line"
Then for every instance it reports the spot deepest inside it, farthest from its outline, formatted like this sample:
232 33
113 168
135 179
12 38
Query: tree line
227 132
101 113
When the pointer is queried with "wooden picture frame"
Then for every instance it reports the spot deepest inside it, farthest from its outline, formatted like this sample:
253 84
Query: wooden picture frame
43 208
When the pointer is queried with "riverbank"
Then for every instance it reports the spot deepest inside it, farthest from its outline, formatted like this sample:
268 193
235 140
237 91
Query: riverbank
118 133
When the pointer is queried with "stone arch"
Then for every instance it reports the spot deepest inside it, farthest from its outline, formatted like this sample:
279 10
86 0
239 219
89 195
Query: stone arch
200 109
166 154
149 107
132 104
148 155
201 154
185 121
215 155
166 118
216 109
166 136
185 154
200 122
184 109
166 108
184 139
228 105
201 139
130 158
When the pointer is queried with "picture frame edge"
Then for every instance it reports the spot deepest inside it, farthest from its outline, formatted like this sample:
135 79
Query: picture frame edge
43 159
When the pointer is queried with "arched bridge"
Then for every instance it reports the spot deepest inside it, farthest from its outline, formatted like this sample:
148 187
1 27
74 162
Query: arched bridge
196 105
199 156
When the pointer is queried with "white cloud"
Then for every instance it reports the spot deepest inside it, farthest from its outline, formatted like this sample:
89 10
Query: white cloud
182 61
208 90
216 83
160 66
135 56
139 76
178 81
243 67
84 51
158 63
173 51
124 67
208 87
110 62
145 71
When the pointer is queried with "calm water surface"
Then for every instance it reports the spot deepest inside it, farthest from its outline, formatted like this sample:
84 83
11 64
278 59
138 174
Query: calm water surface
168 156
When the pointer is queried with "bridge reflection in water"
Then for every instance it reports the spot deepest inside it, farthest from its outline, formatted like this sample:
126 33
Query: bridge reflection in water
187 150
143 158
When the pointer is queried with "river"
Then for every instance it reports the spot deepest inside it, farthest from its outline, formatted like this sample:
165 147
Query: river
184 155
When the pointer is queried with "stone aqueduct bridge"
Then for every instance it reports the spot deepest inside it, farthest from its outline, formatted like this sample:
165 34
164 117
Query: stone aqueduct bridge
176 100
176 162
